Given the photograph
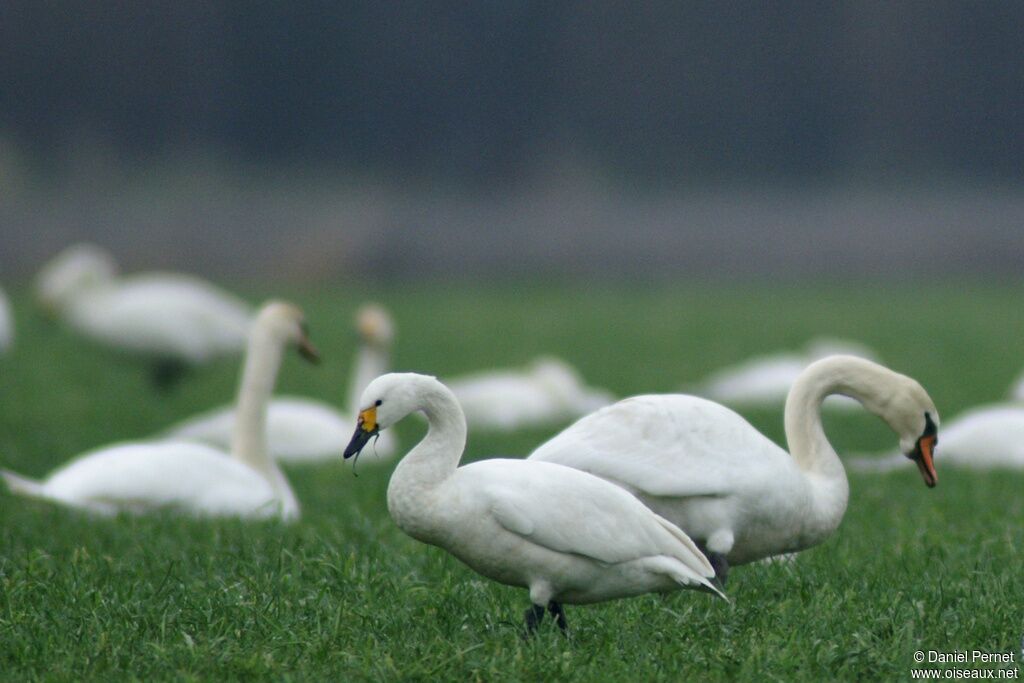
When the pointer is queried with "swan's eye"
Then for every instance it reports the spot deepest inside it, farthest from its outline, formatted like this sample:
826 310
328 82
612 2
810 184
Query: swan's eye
378 402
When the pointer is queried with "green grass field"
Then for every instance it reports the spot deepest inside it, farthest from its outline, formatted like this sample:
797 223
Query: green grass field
344 595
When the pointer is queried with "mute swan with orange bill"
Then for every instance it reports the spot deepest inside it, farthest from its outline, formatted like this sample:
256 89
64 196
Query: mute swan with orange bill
301 430
566 536
188 477
739 495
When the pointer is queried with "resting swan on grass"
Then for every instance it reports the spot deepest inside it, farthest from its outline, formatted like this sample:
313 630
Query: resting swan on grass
737 493
565 535
187 477
546 392
174 320
300 429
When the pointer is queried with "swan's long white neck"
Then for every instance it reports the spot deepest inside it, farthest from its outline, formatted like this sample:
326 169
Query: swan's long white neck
249 440
857 378
432 461
372 361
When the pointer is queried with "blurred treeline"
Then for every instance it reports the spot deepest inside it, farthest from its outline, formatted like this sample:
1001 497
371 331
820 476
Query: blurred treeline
470 92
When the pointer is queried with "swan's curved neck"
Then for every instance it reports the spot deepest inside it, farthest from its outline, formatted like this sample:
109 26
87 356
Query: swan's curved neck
249 440
371 362
857 378
437 456
814 455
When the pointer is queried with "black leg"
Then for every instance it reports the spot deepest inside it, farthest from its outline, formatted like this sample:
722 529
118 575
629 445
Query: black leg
558 614
167 373
534 616
721 567
718 563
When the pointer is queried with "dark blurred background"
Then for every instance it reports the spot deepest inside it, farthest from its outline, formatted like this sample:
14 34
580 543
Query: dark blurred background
665 139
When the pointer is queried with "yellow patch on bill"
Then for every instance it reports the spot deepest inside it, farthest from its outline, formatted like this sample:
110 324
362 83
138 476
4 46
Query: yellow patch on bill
368 419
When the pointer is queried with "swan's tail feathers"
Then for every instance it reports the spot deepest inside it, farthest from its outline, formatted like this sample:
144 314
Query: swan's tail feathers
691 555
875 463
22 486
689 566
683 574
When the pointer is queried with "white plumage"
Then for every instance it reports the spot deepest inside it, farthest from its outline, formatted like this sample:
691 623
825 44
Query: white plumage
165 316
188 477
301 429
547 392
705 468
765 381
145 477
565 535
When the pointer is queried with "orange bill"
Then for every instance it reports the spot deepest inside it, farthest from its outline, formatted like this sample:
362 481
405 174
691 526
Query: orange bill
925 461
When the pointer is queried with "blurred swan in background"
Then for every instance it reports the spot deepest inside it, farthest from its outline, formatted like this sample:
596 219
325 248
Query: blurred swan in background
765 381
986 437
175 320
733 490
6 324
565 535
189 477
547 392
304 430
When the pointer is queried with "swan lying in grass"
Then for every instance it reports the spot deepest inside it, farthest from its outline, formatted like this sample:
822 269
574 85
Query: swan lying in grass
706 469
303 430
175 320
765 381
188 477
6 324
987 437
547 392
565 535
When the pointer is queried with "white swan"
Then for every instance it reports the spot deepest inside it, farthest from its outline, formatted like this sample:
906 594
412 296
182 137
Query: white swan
301 429
6 324
765 380
705 468
189 477
565 535
547 392
176 320
987 437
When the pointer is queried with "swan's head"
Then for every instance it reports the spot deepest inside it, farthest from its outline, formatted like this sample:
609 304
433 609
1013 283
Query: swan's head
912 414
78 268
385 401
896 398
285 323
922 451
375 326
